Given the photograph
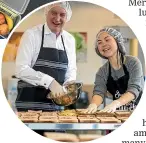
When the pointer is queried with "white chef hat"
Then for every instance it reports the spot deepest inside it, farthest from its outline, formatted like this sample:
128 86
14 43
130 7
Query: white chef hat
64 5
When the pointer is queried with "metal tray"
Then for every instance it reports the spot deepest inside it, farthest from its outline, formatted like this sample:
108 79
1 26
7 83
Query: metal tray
18 5
73 126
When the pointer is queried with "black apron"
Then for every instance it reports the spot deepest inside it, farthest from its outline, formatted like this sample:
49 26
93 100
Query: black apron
52 62
119 87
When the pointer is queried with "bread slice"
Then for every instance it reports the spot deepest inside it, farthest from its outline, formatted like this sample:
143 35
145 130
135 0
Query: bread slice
67 113
19 114
67 117
81 112
104 114
86 116
48 114
88 120
122 113
64 137
27 119
68 120
108 120
46 119
35 111
88 137
123 119
29 114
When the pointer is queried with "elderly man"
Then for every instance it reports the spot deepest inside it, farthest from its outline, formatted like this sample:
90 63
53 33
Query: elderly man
46 59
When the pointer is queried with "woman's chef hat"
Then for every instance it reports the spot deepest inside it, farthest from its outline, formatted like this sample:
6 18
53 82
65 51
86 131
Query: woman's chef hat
64 5
116 35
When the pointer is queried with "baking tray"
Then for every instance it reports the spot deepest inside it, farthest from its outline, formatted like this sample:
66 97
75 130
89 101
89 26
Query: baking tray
73 126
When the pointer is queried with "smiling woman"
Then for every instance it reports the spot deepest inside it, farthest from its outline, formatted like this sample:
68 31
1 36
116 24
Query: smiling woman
121 75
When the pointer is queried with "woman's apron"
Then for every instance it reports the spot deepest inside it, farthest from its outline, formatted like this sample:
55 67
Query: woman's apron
52 62
119 87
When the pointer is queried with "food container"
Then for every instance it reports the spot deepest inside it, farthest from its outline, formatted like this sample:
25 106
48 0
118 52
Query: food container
73 93
12 10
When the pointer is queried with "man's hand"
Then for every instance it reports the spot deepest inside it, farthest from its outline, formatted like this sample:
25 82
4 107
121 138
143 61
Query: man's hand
56 89
69 82
111 107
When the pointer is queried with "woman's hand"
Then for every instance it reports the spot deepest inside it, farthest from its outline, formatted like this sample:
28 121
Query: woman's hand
111 107
92 108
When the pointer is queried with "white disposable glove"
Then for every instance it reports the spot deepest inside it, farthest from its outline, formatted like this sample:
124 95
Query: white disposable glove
111 107
56 89
92 108
69 82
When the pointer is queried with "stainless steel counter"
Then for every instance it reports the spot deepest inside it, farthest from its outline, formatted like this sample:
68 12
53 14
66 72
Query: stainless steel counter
73 126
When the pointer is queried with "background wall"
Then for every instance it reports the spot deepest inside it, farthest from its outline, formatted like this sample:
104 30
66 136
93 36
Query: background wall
86 18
